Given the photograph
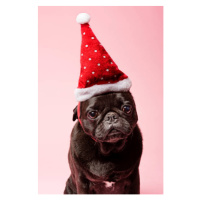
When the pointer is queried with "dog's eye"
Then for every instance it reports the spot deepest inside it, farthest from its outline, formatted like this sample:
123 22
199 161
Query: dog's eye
92 114
126 109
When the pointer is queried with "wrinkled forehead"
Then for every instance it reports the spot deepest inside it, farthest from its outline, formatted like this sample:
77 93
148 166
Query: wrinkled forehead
108 99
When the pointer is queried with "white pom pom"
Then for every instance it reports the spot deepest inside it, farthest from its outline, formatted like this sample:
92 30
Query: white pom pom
83 18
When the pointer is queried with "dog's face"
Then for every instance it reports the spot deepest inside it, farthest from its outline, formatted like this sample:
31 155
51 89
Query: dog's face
109 117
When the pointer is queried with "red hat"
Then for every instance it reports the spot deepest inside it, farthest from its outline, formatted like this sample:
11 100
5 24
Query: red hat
99 73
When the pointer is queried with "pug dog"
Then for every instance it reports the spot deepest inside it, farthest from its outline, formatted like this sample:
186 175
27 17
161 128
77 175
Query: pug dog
105 147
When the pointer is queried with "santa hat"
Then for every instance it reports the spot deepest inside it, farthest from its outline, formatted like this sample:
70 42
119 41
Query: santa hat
99 74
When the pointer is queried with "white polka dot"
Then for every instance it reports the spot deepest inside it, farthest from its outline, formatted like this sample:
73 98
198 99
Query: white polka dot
95 50
88 81
84 67
86 45
104 56
81 75
82 54
107 70
90 59
93 72
101 78
111 63
84 33
109 82
92 38
98 64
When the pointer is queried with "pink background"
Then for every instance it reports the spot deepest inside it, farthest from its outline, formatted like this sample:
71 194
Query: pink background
133 36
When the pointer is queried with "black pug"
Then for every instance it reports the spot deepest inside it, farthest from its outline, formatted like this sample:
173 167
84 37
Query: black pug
106 146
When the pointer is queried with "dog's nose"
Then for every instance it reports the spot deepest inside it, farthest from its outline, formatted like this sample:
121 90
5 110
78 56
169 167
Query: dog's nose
112 117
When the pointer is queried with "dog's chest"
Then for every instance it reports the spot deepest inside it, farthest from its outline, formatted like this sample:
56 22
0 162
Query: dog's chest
107 171
107 187
108 184
101 169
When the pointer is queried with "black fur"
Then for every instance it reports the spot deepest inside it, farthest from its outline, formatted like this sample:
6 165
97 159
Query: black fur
75 114
95 157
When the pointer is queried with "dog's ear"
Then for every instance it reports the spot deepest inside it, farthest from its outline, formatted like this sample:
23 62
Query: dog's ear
75 116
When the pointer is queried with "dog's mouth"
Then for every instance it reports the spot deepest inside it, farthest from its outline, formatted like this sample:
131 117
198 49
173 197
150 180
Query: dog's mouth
114 136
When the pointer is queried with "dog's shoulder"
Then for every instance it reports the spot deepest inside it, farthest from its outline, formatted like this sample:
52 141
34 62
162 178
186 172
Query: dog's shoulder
82 145
135 145
132 151
137 135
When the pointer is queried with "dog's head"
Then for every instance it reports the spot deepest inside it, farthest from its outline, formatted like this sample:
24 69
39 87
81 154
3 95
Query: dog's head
109 117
